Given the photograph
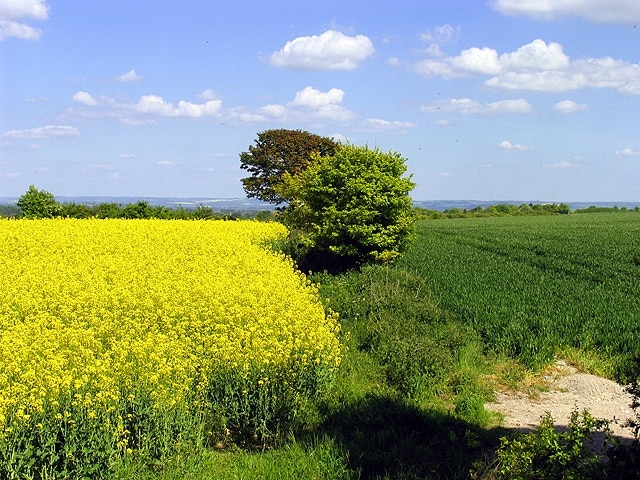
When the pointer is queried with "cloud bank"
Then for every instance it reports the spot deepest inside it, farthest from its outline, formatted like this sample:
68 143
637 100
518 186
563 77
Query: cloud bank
537 66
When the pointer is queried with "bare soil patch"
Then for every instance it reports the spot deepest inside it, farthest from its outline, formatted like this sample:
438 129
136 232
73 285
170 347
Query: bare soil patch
568 389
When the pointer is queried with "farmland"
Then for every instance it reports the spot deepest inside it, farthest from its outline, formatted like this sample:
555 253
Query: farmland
537 286
123 338
123 350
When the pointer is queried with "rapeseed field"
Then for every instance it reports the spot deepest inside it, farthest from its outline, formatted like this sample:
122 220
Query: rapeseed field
128 337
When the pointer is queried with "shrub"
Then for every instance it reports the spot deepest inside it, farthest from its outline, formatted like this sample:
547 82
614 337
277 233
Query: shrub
36 203
350 208
549 453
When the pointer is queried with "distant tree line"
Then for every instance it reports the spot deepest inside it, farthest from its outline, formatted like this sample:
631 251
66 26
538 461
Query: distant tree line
500 210
614 209
35 203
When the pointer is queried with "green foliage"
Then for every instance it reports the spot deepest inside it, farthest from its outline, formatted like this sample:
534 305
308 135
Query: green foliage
276 153
40 204
551 454
36 203
424 353
350 208
499 210
614 209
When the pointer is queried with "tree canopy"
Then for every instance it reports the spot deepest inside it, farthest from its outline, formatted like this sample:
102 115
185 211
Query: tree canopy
276 152
36 203
350 208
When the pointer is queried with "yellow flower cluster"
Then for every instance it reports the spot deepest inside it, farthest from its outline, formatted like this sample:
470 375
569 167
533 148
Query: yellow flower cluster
94 310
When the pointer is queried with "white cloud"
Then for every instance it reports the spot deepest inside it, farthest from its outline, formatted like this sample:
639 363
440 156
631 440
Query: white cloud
467 106
569 106
154 104
536 55
535 66
473 61
507 145
126 155
100 166
165 163
11 175
13 11
85 99
312 98
561 165
331 50
208 94
602 11
130 76
627 152
476 61
442 34
48 131
308 105
387 126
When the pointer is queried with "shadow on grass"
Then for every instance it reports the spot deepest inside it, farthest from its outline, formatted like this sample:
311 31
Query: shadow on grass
387 438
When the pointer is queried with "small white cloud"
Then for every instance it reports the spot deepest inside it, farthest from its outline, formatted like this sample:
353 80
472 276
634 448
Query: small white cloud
332 50
442 34
442 123
11 175
561 165
100 166
126 155
18 30
85 99
312 98
48 131
467 106
387 126
165 162
130 76
507 145
569 106
208 94
627 152
13 11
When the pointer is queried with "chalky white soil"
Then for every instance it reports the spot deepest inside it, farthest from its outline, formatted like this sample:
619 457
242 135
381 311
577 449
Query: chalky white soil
567 389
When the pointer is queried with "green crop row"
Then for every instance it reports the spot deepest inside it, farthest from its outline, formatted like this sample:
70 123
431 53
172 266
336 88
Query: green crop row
535 286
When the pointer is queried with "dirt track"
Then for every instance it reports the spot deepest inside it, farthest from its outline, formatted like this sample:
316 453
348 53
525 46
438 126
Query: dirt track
568 389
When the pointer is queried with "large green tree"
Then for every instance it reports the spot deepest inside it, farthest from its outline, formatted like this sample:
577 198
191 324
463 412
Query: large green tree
275 153
350 208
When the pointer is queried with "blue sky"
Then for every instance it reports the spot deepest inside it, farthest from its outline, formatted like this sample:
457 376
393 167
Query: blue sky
488 100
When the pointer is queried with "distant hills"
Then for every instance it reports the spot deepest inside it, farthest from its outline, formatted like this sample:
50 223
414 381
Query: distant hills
251 204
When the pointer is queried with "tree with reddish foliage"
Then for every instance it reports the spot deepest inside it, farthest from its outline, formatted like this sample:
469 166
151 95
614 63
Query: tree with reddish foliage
276 152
